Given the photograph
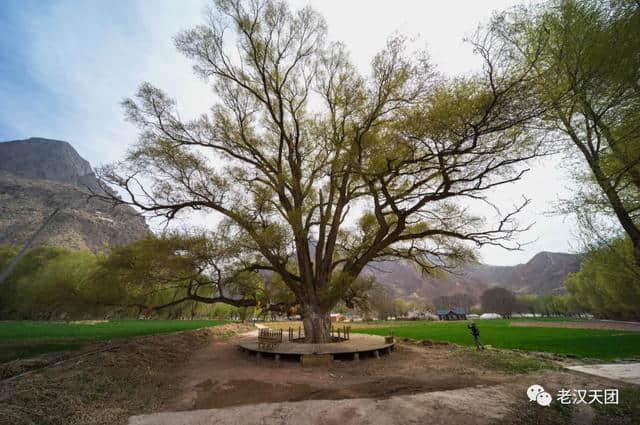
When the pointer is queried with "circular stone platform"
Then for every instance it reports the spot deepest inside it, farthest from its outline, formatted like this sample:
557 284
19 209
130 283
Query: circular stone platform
358 346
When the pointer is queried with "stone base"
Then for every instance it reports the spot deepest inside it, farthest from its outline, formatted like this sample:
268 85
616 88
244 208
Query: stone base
357 347
315 359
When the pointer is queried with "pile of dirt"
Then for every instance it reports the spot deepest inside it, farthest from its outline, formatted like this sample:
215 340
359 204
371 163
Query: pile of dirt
427 342
103 386
15 368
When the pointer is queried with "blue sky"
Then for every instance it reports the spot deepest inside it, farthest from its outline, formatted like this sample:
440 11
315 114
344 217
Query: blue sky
65 66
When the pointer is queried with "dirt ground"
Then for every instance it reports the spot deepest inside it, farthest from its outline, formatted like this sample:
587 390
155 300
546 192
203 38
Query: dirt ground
103 383
235 378
583 324
204 369
449 374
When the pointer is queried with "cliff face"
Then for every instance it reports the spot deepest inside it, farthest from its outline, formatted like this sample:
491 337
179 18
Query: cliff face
44 159
38 175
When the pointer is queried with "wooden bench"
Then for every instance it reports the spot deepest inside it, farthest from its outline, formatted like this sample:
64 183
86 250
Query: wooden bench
269 338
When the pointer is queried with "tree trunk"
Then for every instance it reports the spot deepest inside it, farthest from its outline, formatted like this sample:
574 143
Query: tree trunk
636 251
317 326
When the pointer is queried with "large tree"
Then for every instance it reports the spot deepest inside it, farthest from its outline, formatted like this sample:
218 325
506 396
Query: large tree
316 170
586 58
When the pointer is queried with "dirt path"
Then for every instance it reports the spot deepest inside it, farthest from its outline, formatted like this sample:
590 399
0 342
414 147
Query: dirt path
626 372
586 324
437 407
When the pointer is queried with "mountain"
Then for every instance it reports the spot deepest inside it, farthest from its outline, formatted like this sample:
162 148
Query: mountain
544 274
44 159
39 175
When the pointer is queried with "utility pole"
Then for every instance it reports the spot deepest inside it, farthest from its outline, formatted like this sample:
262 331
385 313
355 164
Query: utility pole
4 274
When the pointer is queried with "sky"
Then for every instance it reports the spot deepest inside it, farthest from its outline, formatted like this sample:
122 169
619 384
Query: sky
66 65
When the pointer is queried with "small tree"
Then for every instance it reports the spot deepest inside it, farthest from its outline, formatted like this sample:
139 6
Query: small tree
498 300
382 303
401 307
317 170
608 282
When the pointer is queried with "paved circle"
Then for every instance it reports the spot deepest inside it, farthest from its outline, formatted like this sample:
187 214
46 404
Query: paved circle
357 343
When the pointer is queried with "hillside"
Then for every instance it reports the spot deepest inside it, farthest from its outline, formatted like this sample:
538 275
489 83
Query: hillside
542 275
38 175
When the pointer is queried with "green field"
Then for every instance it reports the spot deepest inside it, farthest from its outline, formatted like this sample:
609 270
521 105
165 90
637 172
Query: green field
583 343
20 339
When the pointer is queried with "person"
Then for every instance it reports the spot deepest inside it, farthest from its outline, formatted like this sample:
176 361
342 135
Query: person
476 335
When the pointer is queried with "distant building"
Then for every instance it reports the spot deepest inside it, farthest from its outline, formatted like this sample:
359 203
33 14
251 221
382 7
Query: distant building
490 316
421 315
452 314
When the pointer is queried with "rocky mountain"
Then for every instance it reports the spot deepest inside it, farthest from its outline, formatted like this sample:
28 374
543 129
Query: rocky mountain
39 175
544 274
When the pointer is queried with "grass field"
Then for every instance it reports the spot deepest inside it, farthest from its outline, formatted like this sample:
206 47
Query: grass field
584 343
20 339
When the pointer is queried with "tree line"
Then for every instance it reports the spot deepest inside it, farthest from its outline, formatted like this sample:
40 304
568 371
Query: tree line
135 281
52 283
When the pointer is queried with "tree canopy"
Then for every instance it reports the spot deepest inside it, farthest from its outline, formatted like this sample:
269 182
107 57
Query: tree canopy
608 282
586 58
315 169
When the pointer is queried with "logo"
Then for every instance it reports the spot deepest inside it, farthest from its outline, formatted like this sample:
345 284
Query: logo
572 396
538 394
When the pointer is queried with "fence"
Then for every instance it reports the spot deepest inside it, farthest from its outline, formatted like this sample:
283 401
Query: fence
269 337
341 333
